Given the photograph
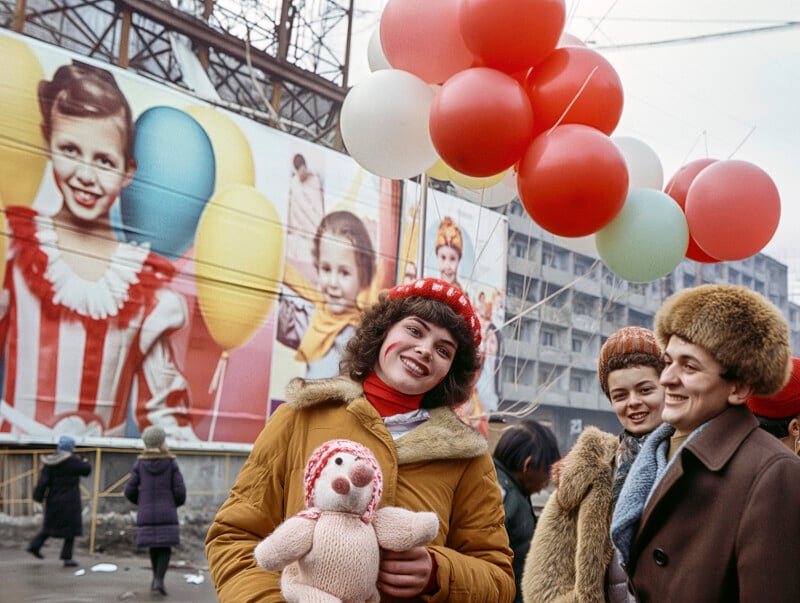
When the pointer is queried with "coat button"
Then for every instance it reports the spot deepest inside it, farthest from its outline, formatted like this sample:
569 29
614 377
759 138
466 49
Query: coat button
660 557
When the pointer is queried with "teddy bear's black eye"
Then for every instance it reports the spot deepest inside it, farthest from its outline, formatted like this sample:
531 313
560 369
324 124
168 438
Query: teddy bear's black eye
338 460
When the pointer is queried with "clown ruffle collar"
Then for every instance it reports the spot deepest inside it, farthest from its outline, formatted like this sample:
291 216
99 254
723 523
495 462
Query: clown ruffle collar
129 283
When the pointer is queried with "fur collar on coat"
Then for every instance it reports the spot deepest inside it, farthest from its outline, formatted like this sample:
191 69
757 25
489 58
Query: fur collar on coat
443 436
571 547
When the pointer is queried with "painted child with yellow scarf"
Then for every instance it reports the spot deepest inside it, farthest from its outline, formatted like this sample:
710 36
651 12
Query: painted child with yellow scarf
345 264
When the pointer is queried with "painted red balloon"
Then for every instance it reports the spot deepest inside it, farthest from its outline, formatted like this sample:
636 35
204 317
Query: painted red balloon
481 122
424 38
733 208
677 188
573 180
511 35
581 82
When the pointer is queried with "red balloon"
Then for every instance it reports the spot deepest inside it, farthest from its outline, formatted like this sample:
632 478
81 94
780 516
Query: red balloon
424 38
572 180
511 35
733 208
580 79
677 188
568 39
481 122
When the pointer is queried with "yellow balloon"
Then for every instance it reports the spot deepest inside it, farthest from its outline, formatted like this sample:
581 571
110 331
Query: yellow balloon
472 181
438 170
22 155
3 242
238 256
232 153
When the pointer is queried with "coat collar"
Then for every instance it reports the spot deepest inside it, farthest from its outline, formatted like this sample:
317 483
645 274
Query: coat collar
443 436
718 442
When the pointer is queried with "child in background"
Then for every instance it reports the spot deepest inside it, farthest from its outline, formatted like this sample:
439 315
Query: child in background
449 248
414 355
85 320
345 264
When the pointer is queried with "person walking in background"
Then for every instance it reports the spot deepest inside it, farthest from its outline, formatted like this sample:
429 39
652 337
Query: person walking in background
571 553
156 486
59 489
523 457
707 511
780 414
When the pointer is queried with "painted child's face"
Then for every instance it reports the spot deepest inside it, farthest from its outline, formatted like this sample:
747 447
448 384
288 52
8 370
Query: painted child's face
448 263
89 162
415 356
637 398
338 273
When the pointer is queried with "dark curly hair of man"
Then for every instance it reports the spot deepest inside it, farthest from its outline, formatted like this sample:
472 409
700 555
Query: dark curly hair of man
362 350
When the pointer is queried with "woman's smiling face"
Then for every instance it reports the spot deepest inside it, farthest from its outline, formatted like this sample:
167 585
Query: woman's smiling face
415 356
637 398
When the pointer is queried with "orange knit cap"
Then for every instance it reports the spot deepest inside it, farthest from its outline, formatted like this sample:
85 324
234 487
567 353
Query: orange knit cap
784 404
449 234
625 342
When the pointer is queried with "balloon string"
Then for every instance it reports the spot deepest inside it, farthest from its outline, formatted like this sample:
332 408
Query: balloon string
572 102
217 381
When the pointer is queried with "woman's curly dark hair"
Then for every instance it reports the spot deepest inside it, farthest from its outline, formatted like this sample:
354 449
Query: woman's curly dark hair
362 350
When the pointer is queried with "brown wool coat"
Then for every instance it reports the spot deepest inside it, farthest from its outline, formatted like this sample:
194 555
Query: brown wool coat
571 547
723 523
442 466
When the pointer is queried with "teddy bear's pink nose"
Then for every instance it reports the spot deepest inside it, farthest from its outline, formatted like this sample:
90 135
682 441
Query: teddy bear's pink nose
361 474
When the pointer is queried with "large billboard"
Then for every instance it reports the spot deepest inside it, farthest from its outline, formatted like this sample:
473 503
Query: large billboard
152 241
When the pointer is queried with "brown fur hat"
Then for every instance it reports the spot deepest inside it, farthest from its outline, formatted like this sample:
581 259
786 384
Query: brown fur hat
746 333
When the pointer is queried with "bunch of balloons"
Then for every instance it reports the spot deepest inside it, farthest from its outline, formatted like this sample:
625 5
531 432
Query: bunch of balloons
496 97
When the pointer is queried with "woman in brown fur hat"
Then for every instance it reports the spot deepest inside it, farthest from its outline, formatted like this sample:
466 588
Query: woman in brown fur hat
704 513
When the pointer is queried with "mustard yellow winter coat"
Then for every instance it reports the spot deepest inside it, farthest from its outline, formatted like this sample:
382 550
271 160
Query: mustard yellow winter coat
441 466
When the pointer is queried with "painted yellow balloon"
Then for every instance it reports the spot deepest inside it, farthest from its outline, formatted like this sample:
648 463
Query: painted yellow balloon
473 182
232 153
238 258
22 155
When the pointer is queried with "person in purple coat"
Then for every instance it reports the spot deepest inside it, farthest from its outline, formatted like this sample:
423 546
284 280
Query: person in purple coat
58 487
156 486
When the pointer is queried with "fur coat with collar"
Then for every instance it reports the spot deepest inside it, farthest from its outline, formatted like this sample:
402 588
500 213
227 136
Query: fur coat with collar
441 466
571 547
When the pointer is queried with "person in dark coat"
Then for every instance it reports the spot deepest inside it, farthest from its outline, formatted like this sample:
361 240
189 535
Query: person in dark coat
58 488
156 486
522 458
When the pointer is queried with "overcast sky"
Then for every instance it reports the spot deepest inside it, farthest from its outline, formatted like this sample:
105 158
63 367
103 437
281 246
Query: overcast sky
695 88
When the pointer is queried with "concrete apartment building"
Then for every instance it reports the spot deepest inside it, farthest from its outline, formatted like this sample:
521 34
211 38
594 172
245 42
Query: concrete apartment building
550 352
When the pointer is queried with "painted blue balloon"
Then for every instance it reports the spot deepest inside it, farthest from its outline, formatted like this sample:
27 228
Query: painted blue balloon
174 180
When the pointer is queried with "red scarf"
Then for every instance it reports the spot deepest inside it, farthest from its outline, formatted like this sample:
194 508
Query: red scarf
387 400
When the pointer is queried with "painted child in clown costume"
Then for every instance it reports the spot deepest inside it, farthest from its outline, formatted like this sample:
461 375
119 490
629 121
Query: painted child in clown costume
85 319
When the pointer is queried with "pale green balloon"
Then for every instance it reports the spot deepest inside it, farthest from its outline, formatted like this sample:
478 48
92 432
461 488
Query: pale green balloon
647 239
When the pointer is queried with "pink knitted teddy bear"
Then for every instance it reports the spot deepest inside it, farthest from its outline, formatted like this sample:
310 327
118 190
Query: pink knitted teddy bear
331 550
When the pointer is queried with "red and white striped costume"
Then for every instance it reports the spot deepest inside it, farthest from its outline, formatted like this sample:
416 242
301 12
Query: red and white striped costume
77 351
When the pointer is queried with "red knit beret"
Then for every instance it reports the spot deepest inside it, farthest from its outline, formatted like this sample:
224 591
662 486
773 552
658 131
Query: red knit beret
784 404
434 288
626 341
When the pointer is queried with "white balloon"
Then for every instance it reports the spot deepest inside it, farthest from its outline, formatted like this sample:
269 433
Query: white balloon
644 166
584 245
375 57
384 124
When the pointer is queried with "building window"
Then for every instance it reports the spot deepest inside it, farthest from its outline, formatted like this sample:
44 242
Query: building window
548 339
576 384
577 345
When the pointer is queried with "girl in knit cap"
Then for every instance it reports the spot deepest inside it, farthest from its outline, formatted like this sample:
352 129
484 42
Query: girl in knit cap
780 414
59 488
413 357
156 486
707 512
571 553
449 248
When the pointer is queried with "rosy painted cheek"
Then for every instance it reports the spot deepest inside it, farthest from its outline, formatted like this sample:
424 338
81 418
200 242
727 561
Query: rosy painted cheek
389 348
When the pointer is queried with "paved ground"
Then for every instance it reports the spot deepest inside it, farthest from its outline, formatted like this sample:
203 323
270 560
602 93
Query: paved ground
23 578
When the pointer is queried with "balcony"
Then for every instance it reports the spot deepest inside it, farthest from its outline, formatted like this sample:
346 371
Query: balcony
584 400
585 323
